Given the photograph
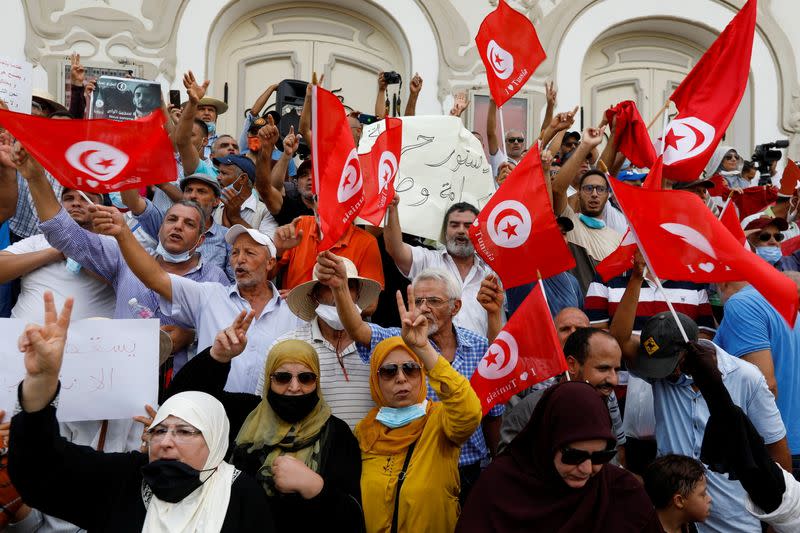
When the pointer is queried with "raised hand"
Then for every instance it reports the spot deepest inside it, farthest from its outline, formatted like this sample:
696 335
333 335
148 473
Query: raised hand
108 220
291 142
232 340
43 346
416 84
639 265
146 420
460 104
490 295
592 137
414 325
551 93
7 151
233 203
25 163
547 161
563 121
268 134
288 236
196 92
503 171
331 270
76 71
382 85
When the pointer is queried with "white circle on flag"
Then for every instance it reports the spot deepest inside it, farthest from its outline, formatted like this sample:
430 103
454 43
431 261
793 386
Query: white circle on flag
686 138
501 60
501 358
509 224
100 160
350 182
387 169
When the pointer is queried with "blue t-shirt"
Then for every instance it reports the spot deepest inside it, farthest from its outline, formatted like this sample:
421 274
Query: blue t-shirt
751 324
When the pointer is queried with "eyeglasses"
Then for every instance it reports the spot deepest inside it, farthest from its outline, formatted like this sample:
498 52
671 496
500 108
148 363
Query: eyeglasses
573 456
180 434
511 140
589 189
764 237
432 302
410 370
284 378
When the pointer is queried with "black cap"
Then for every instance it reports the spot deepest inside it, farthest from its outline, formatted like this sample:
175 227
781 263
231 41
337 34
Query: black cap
565 223
683 185
662 344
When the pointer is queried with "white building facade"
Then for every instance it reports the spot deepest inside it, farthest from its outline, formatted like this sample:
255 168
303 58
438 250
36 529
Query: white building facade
599 51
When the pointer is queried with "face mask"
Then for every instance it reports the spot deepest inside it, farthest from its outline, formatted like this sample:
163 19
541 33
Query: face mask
591 222
170 480
329 315
253 144
292 408
173 258
212 128
770 254
397 417
232 186
116 200
72 266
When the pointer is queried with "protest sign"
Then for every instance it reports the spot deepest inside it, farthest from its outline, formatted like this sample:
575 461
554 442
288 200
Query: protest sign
441 163
16 84
110 368
124 98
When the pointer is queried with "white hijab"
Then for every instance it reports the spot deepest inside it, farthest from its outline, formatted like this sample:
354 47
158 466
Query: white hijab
204 509
715 163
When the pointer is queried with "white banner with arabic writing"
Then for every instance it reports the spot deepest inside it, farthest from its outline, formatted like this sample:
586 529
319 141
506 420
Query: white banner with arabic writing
441 163
16 84
110 368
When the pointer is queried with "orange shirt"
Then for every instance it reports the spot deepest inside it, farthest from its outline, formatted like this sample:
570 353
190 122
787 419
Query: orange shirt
357 245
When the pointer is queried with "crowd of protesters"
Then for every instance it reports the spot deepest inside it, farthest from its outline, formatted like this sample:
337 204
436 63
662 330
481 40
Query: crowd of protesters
301 389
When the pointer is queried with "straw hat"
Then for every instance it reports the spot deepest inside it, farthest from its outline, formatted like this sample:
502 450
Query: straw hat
48 99
302 305
218 104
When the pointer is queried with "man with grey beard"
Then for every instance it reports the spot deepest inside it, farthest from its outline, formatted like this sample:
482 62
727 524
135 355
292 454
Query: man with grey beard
458 258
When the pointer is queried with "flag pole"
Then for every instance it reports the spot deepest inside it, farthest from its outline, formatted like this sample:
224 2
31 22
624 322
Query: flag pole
658 115
544 295
84 196
655 278
503 133
725 205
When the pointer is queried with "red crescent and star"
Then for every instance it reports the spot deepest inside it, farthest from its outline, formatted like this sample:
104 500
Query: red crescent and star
105 163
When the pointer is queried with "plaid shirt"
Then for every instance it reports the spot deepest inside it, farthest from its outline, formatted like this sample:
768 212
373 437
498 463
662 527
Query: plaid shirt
470 349
25 223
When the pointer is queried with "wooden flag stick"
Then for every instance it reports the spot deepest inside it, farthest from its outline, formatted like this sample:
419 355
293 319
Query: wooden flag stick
658 115
503 134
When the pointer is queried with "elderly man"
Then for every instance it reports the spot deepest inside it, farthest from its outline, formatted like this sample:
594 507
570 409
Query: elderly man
458 258
765 235
593 356
211 307
437 294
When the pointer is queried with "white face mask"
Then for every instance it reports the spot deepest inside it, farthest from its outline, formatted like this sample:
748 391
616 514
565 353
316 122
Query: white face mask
329 315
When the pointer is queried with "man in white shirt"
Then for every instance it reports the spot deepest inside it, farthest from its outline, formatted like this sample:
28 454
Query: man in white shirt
458 258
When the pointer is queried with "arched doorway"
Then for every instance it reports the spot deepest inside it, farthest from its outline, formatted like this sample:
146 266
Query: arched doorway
287 42
644 61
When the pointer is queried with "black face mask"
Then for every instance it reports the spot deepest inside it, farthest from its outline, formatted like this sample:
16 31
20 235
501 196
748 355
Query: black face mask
170 480
292 408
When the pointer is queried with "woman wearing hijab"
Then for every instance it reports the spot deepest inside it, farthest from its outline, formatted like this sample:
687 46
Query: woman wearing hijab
410 446
181 485
307 460
555 476
727 162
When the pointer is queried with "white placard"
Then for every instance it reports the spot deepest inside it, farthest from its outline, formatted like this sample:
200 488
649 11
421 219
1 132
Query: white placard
110 368
16 84
441 163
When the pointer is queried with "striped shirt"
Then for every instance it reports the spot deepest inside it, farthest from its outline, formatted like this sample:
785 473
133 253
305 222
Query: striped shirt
691 299
344 383
25 223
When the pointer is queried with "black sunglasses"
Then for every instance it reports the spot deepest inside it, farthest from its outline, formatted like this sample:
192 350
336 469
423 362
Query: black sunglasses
515 140
410 370
764 237
284 378
572 456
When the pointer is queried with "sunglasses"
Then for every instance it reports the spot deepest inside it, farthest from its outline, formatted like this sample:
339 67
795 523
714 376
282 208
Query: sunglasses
409 369
284 378
731 156
510 140
764 237
573 456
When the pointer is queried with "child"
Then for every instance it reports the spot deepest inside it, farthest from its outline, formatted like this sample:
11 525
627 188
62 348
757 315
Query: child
676 485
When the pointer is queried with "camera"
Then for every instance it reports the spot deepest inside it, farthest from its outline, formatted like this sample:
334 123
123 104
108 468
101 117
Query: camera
392 78
764 156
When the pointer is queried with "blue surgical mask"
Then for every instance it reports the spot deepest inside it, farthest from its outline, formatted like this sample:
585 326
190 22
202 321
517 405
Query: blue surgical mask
591 222
116 199
397 417
770 254
212 128
72 266
173 258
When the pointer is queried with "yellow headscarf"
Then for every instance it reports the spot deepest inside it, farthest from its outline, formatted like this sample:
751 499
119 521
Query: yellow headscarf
372 435
263 428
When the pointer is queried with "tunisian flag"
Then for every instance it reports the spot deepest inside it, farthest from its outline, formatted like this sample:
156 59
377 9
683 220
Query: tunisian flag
631 134
684 241
510 50
517 233
337 172
708 98
379 168
730 220
524 353
98 156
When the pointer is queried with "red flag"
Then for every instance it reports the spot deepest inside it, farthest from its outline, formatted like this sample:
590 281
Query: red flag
730 220
524 353
517 233
510 50
790 246
791 175
379 168
754 199
618 261
337 171
97 155
684 241
708 98
631 134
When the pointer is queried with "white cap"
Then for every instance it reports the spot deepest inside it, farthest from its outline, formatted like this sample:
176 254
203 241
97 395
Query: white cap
261 238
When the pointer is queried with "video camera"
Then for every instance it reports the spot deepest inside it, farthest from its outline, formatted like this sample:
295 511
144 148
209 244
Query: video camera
764 156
